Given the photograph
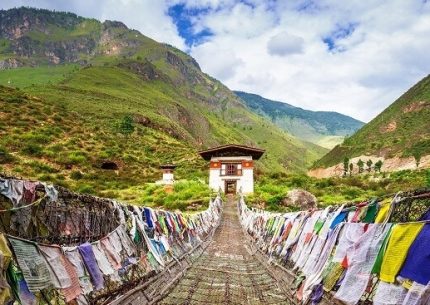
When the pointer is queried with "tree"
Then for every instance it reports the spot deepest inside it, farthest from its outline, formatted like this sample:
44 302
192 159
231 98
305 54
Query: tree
360 165
378 166
417 157
369 165
345 166
351 168
126 126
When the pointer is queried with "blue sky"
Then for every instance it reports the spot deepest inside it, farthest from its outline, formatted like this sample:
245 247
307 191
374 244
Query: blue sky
354 57
183 19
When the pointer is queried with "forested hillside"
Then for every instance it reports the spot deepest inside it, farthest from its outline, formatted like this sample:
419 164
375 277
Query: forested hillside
324 128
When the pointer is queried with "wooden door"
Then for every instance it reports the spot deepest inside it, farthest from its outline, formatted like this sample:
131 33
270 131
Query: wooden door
230 186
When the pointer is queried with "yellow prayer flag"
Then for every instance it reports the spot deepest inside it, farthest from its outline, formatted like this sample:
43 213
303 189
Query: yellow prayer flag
383 211
401 239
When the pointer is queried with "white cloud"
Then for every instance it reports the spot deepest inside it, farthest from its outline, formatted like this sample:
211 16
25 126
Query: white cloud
223 63
381 55
284 44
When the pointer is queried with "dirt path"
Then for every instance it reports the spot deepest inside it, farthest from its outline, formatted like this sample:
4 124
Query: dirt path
226 273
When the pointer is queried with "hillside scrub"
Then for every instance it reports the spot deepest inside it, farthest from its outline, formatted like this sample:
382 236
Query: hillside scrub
44 142
186 195
131 85
271 190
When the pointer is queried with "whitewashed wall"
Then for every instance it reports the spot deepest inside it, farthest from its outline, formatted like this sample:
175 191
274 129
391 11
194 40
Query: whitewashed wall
246 181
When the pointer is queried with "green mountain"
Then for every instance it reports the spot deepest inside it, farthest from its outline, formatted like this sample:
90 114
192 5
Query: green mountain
324 128
93 94
400 131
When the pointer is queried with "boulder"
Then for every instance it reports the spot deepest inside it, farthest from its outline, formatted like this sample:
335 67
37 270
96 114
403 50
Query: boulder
301 199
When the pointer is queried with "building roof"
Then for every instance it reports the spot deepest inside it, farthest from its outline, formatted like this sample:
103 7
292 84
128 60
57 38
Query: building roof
168 166
232 150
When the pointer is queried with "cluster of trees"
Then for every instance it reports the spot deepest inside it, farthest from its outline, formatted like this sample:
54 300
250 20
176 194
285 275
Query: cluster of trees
349 166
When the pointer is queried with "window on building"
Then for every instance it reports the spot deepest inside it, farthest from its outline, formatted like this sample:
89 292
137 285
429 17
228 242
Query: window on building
231 169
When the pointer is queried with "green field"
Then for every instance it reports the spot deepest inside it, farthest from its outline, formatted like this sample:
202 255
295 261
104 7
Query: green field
27 76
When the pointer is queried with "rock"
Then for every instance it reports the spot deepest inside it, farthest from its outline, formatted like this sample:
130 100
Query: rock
142 120
10 63
145 70
301 199
389 128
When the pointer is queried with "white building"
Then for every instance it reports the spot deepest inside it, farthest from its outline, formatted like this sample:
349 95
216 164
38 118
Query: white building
232 167
168 178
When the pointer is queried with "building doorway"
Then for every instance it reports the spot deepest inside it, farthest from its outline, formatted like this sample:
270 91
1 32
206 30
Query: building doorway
230 186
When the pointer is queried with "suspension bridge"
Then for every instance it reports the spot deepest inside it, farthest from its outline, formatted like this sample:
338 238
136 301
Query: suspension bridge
60 247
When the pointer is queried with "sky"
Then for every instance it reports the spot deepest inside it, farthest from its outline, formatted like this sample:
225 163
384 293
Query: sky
355 57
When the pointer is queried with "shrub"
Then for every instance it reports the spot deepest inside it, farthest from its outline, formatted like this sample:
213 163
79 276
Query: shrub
274 202
86 189
76 175
41 167
352 192
126 125
46 177
324 183
76 157
32 149
5 157
36 138
354 181
299 181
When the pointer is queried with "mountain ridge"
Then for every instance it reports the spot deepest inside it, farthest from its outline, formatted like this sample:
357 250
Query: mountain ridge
399 135
325 128
106 75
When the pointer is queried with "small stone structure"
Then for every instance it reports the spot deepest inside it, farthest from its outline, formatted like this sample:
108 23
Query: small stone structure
168 178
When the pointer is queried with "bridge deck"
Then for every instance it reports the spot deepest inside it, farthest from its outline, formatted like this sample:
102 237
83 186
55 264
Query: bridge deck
227 273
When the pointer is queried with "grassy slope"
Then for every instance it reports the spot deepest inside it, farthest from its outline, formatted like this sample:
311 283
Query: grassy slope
127 73
403 129
107 92
63 122
61 129
46 141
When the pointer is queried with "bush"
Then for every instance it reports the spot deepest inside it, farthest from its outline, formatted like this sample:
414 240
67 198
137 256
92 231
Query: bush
76 175
32 150
5 157
86 189
76 157
354 182
36 138
126 125
41 167
46 177
274 202
299 182
352 192
324 183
